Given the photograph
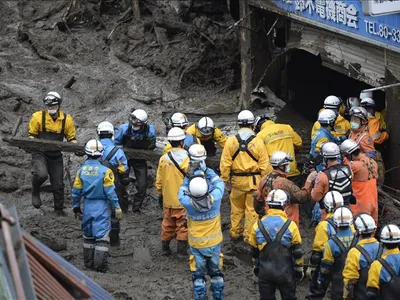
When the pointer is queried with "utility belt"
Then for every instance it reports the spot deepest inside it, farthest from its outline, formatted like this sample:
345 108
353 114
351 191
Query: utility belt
247 174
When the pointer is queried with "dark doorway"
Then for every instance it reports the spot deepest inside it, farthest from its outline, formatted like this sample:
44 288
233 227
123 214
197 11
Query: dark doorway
310 83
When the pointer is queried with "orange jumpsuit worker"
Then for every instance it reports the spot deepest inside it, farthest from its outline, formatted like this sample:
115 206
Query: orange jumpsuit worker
335 177
280 161
365 171
244 160
171 171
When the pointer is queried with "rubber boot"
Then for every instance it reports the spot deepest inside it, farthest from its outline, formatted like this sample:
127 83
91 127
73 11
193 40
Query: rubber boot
101 256
165 248
114 233
182 248
36 201
217 287
88 252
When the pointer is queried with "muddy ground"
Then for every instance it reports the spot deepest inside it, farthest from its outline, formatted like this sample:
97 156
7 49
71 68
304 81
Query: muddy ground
120 64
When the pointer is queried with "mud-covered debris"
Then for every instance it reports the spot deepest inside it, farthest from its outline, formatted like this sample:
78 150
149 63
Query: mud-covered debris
51 242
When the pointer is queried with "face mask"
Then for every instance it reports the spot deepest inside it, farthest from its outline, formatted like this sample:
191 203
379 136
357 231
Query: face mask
136 128
52 112
287 169
354 125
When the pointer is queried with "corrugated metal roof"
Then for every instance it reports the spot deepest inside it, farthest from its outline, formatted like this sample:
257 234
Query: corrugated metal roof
350 57
98 293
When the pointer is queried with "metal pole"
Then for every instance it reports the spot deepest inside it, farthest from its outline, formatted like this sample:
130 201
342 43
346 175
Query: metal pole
273 26
382 87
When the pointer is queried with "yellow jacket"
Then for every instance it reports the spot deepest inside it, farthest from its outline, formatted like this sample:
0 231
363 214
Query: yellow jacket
272 225
243 163
351 271
381 116
169 179
375 131
217 136
52 126
375 275
341 127
281 137
323 232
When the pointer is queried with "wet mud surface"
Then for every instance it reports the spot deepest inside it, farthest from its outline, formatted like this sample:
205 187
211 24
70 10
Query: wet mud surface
195 74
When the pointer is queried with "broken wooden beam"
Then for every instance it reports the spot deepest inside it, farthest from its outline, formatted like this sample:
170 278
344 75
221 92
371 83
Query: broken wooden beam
35 145
386 195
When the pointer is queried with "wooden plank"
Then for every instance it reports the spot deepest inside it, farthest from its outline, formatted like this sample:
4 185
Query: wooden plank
33 145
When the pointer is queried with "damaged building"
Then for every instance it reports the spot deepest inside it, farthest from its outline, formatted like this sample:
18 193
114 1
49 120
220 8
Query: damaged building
305 50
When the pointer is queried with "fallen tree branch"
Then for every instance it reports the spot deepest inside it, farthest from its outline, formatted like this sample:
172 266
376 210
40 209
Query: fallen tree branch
51 11
70 82
388 196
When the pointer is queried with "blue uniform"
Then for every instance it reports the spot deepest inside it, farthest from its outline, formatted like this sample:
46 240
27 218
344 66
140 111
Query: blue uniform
205 237
95 183
118 160
145 139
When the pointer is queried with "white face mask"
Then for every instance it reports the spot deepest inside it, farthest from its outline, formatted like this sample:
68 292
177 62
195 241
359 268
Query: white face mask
52 112
287 168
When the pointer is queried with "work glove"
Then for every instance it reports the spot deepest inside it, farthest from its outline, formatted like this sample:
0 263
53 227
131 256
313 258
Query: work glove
311 177
256 270
353 200
203 166
77 211
160 201
298 273
118 213
124 179
310 271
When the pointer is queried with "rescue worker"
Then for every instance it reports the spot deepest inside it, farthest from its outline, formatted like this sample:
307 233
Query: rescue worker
50 124
208 135
244 161
350 103
327 119
280 162
335 177
179 120
281 137
365 175
323 232
137 134
203 204
341 128
335 252
383 277
276 250
114 158
376 128
359 133
360 258
171 170
95 183
381 116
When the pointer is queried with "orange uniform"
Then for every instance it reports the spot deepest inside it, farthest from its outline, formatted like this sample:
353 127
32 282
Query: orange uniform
365 172
363 138
277 180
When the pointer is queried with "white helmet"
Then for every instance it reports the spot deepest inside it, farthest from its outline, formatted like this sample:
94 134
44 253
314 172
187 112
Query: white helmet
197 152
332 200
245 117
349 146
277 198
52 98
138 117
280 158
176 134
327 116
390 234
365 95
105 128
332 102
367 102
94 148
198 187
330 150
342 217
359 112
364 223
205 126
259 121
179 120
352 102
